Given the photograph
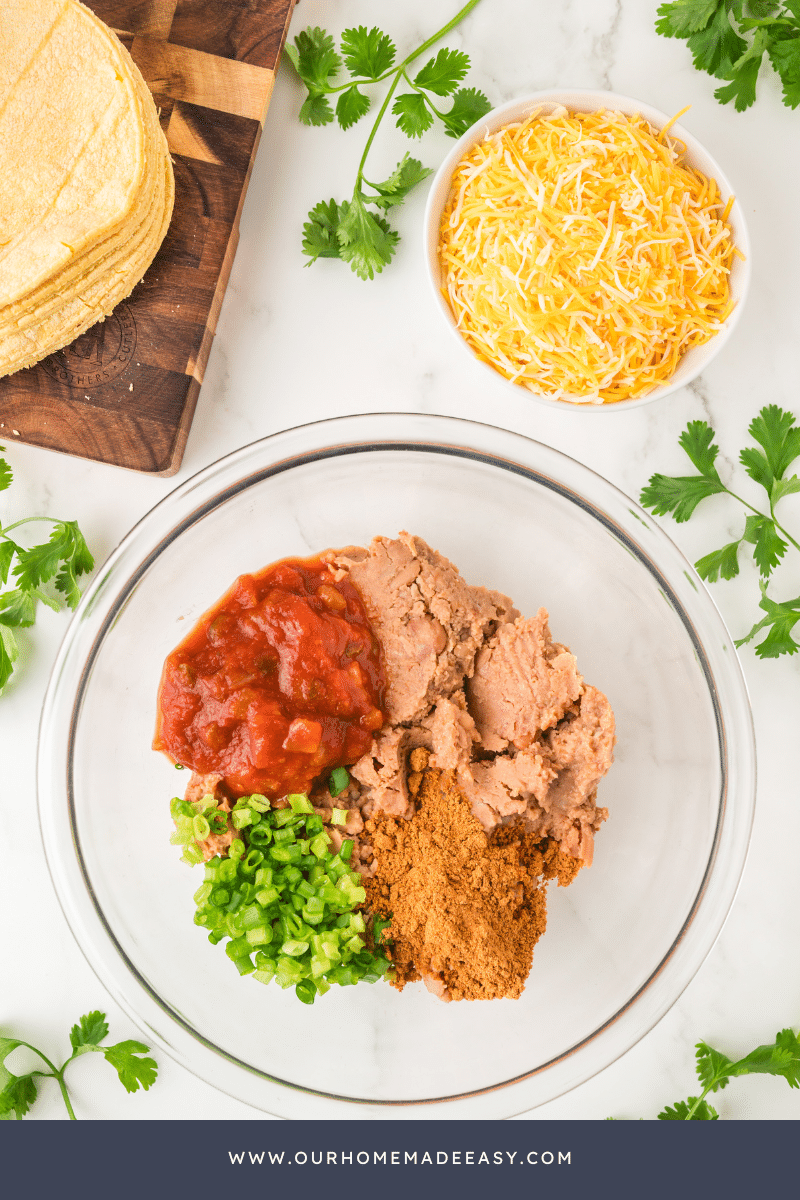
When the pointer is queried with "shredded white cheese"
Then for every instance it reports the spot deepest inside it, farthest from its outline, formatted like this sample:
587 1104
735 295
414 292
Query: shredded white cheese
582 258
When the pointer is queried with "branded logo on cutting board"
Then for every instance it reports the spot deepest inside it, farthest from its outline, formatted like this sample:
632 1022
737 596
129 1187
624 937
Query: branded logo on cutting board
97 356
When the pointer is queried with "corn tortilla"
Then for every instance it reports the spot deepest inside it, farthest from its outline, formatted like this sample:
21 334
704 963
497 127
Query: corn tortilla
109 254
87 187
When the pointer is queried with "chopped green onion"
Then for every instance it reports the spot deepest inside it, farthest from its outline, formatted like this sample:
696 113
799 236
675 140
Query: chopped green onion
305 991
259 936
259 803
200 828
319 845
338 781
294 912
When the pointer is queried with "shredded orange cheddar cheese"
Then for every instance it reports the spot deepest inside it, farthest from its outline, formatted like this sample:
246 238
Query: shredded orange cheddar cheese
580 256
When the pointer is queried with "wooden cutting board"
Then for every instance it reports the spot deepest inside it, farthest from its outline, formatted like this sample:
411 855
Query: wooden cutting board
125 391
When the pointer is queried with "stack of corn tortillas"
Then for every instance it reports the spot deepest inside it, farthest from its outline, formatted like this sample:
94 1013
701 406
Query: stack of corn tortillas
86 184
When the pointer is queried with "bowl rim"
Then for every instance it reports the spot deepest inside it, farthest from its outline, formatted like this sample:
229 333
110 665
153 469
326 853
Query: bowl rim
574 98
279 452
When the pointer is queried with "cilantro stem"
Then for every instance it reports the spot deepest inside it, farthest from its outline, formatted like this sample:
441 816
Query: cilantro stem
24 521
759 513
54 1072
373 131
399 73
43 1057
64 1093
342 87
465 11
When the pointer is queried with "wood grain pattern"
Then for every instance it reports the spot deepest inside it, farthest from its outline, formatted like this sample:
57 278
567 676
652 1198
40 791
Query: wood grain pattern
125 392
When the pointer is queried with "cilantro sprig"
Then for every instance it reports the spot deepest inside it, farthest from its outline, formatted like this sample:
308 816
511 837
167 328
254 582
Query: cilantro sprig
18 1092
729 39
778 446
57 562
351 230
715 1071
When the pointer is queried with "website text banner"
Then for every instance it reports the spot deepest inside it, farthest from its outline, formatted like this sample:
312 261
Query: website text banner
563 1159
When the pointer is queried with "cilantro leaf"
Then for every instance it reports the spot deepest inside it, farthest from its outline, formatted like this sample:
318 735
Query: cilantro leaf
718 564
713 1067
679 494
784 487
37 565
320 238
133 1069
366 241
781 1058
6 474
681 1110
757 467
7 551
368 53
9 652
351 107
742 88
406 175
469 105
716 48
77 561
316 110
780 620
682 17
17 608
779 640
713 29
784 54
413 114
6 1047
17 1096
314 58
776 432
696 440
762 8
442 74
768 547
90 1030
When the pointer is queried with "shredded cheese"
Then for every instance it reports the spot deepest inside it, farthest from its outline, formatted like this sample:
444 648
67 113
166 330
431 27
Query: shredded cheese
582 258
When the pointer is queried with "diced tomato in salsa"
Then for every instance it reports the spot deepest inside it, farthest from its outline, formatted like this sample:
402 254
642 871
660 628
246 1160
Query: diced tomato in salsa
279 682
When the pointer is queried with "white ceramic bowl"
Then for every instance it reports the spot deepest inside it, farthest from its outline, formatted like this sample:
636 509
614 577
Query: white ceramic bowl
696 359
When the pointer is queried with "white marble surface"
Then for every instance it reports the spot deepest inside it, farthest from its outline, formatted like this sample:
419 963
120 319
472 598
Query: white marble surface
296 345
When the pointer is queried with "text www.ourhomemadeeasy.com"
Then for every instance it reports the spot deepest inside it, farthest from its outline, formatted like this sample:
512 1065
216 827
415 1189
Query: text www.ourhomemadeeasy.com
400 1158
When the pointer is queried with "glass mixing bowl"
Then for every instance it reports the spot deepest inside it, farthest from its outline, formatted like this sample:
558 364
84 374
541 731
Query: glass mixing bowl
623 941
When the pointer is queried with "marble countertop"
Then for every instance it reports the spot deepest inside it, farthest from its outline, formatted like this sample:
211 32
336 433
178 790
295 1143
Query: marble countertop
296 345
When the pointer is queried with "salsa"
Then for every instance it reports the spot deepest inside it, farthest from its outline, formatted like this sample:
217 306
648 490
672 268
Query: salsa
280 681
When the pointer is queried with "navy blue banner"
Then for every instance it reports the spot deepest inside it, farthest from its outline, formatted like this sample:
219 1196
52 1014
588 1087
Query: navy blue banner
393 1159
